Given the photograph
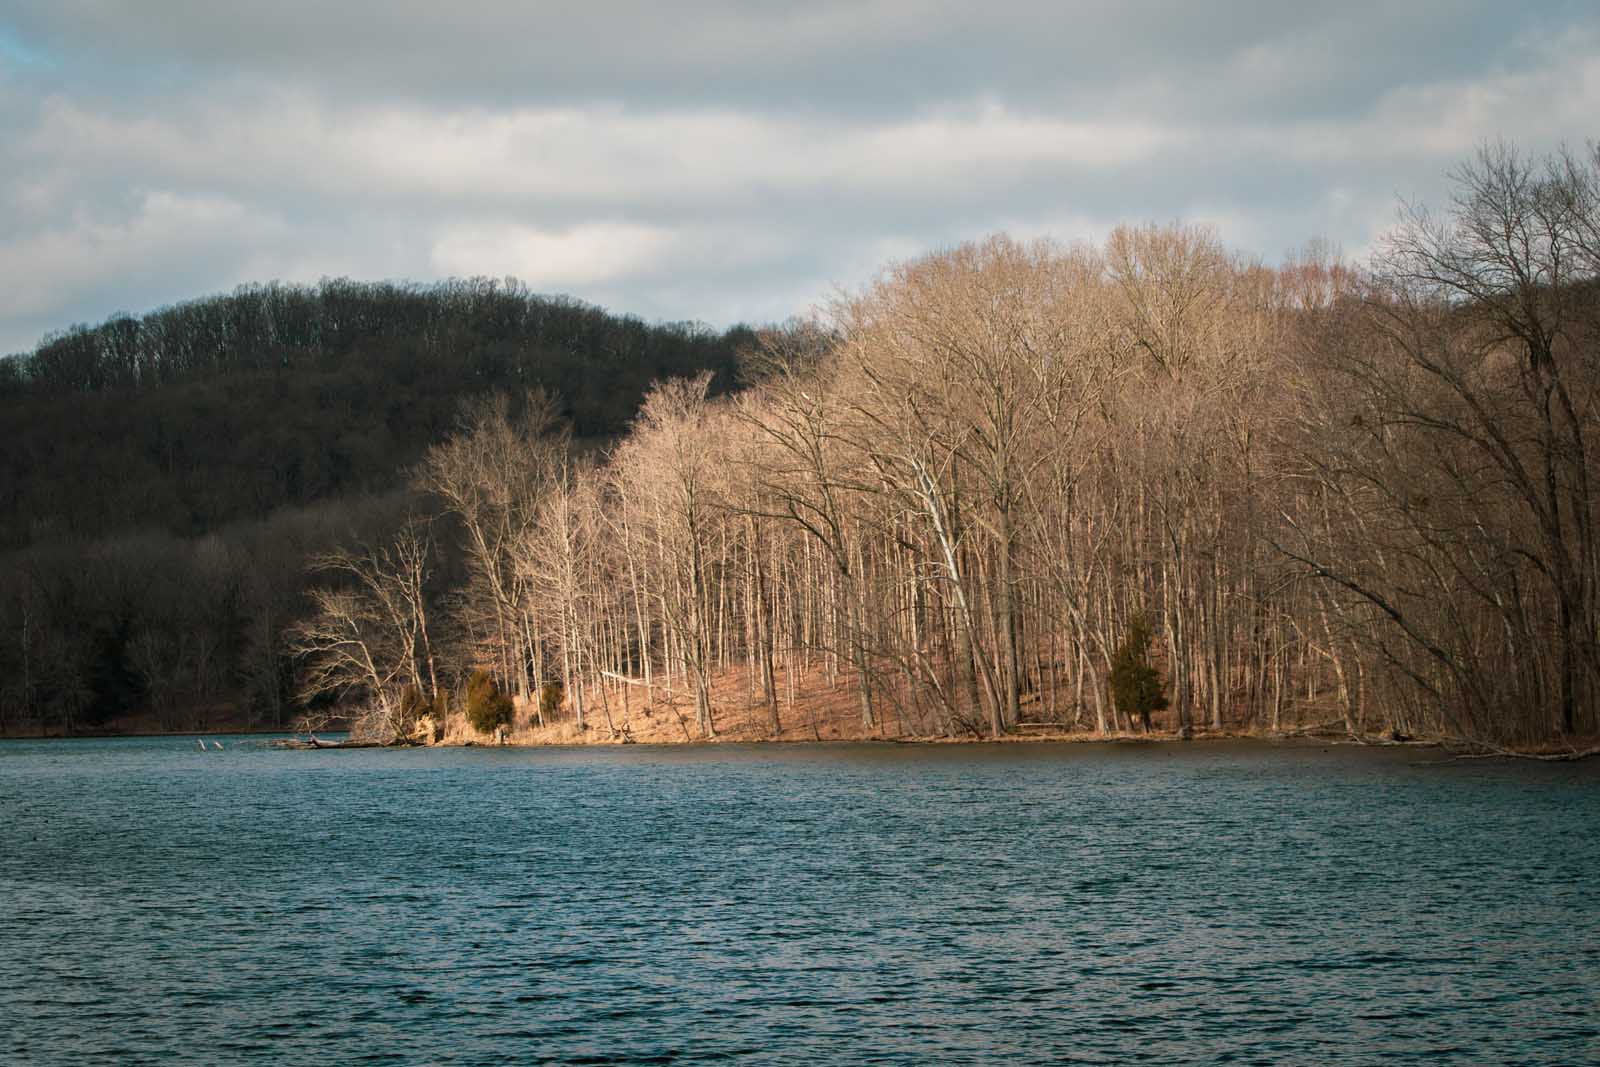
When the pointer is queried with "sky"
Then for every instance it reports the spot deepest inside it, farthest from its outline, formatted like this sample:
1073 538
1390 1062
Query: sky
725 161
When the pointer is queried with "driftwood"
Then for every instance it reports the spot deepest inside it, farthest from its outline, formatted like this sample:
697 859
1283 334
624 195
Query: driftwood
1331 728
1489 751
313 742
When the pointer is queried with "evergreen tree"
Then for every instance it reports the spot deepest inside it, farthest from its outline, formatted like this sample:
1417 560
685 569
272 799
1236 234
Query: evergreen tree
1136 686
488 708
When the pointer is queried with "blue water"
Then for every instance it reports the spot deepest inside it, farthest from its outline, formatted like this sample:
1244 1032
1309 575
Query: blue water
794 904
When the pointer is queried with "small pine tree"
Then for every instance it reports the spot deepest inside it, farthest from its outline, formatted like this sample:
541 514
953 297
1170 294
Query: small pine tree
1136 686
488 709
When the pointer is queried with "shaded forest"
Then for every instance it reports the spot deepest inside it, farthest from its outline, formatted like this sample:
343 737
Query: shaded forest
1148 483
230 407
166 477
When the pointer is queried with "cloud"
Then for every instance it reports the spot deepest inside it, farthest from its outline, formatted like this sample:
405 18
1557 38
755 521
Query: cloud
587 255
163 230
596 155
721 160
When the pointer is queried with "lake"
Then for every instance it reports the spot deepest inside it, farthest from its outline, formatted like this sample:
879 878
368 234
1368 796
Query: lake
806 904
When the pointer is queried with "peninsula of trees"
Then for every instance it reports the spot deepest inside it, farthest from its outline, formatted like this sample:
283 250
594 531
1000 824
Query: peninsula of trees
1269 498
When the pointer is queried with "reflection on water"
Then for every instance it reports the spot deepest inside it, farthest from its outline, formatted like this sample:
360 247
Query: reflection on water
815 904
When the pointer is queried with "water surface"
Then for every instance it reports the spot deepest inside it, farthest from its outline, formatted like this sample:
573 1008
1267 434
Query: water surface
794 904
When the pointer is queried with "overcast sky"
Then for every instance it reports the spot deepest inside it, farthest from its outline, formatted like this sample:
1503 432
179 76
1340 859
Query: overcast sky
723 161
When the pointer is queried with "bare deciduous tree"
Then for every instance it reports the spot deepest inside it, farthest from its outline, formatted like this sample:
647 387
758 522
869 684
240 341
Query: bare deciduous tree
368 636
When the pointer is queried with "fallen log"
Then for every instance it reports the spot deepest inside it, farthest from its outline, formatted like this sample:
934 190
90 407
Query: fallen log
303 743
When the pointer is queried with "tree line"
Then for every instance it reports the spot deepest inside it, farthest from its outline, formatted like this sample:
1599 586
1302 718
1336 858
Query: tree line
224 409
166 477
1323 494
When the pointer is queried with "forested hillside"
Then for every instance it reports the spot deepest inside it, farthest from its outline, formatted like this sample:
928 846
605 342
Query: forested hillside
165 479
230 407
1148 482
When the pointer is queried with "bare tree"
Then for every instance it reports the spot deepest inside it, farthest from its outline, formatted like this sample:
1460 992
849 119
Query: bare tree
669 470
368 636
492 476
1453 462
970 373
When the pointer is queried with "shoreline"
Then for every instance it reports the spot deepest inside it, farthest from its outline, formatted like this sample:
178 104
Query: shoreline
111 735
1065 737
1010 740
1455 748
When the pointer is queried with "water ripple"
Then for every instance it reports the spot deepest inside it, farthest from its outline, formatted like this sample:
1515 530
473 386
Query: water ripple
793 905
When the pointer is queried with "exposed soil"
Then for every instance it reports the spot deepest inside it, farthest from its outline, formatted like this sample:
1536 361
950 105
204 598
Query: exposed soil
811 707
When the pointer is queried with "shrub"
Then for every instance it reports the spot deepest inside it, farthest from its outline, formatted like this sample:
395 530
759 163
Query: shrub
488 709
550 698
413 706
1136 687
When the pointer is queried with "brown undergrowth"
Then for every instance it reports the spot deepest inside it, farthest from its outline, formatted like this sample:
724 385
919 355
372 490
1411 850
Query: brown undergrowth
812 706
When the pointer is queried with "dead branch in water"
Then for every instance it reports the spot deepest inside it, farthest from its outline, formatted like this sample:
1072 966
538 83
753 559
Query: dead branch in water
1490 751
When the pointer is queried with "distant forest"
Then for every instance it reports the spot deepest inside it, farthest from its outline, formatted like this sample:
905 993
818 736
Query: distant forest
229 407
1145 483
165 477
